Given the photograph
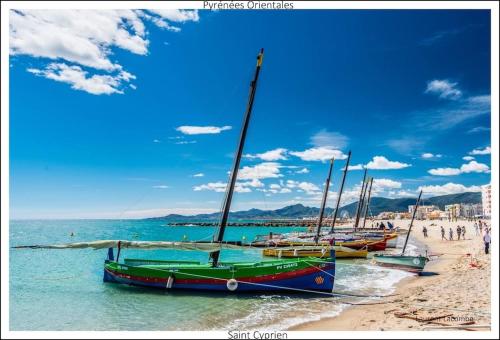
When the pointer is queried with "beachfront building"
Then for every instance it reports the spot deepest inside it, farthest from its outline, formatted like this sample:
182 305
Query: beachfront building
486 200
453 211
423 211
386 215
471 210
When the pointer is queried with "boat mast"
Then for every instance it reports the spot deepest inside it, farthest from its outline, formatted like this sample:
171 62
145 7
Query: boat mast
340 192
323 202
359 201
362 209
368 202
219 235
411 223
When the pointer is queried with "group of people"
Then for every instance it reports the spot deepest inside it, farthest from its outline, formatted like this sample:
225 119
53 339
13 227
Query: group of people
461 233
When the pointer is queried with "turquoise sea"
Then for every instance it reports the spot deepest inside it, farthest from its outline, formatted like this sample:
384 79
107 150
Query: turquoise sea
63 289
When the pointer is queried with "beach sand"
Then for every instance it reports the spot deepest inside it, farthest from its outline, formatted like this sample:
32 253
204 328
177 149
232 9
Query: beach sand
459 294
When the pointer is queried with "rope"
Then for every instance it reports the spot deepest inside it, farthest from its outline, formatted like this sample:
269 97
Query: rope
281 287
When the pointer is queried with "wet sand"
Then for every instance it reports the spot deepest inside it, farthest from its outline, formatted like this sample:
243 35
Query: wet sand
459 295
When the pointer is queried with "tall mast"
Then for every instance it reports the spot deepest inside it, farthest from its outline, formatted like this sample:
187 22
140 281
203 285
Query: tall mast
219 235
359 201
411 224
340 192
323 202
362 205
368 202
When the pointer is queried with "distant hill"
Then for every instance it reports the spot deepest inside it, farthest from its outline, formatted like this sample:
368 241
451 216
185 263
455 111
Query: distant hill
377 205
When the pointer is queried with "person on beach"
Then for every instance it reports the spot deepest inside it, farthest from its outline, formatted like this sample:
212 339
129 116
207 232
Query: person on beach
424 230
477 228
459 230
487 241
480 227
451 234
442 233
463 232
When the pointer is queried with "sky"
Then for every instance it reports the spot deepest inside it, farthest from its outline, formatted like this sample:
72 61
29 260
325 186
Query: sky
136 113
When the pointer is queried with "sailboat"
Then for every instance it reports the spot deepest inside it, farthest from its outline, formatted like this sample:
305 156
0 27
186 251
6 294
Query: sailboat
314 248
413 264
284 275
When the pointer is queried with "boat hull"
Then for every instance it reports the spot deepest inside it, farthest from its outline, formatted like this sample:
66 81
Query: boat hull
281 275
340 252
413 264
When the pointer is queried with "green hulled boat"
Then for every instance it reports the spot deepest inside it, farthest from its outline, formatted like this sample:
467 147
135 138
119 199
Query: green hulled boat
305 274
414 264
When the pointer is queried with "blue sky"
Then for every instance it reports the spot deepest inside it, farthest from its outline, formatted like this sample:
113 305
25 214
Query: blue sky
137 113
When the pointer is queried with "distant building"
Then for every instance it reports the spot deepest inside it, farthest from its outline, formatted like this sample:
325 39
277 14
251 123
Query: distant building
423 211
453 211
386 215
486 200
471 210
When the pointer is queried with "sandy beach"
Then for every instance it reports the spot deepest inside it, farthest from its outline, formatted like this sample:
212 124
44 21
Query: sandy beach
459 295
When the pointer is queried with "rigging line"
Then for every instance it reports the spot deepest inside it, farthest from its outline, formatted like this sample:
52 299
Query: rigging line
275 286
135 203
320 269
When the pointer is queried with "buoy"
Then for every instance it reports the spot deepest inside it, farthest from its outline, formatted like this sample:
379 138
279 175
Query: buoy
170 282
232 284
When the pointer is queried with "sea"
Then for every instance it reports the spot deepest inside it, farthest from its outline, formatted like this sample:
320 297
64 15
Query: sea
55 290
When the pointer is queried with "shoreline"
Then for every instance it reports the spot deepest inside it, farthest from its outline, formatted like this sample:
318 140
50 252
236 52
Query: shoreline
423 302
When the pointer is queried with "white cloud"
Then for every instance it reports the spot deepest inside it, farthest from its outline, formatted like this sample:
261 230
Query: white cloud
474 166
272 155
302 171
260 171
382 163
160 186
325 138
200 130
185 142
479 129
485 151
404 193
77 78
444 89
221 187
444 172
355 167
468 158
213 186
274 186
307 187
177 15
254 183
448 188
285 191
156 141
428 155
83 38
385 183
199 175
319 154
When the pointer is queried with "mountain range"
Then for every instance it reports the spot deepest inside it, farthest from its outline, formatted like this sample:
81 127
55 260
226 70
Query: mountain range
377 205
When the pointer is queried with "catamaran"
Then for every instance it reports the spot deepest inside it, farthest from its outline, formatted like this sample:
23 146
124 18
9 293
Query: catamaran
301 274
